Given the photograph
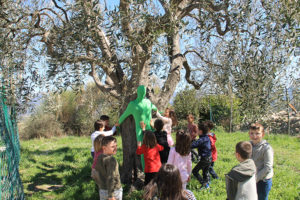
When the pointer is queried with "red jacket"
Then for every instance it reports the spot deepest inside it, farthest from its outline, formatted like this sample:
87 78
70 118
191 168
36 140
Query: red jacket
151 157
213 140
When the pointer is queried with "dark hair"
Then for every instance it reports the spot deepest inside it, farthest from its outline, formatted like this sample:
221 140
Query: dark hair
173 117
203 127
183 143
158 124
257 126
244 148
166 185
108 139
99 124
104 117
209 124
98 142
149 139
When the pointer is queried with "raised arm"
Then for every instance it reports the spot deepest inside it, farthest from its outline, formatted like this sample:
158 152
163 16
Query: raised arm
126 113
166 120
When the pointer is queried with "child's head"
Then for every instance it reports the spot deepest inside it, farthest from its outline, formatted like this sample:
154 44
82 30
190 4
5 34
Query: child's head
167 112
167 184
256 133
210 125
109 145
183 143
243 150
105 118
158 124
190 118
149 139
98 142
99 124
202 128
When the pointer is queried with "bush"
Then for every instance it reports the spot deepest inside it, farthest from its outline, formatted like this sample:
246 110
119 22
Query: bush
40 125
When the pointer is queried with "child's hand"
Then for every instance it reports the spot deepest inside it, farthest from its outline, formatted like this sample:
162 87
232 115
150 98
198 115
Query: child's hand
113 198
143 125
139 143
152 123
117 124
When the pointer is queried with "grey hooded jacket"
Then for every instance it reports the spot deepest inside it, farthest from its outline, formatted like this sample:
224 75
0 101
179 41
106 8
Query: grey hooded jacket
240 181
262 155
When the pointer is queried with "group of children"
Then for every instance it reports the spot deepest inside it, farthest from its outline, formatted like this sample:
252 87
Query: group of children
168 166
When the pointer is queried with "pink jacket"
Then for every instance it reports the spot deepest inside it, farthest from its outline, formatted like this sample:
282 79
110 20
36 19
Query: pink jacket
183 163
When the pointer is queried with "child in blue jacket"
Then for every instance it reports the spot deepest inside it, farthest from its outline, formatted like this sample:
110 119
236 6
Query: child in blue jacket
204 149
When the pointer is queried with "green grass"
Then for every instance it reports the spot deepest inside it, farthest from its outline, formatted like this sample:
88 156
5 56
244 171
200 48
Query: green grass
59 168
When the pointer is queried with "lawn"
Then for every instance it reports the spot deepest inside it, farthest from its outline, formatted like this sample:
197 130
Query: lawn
59 168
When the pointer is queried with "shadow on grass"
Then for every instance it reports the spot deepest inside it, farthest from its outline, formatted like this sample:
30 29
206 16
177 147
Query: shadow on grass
59 174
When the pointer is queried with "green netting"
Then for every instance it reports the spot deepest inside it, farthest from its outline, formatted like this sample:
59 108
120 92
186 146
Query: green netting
11 186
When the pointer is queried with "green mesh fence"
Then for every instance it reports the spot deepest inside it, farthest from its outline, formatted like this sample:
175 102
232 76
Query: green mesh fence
11 186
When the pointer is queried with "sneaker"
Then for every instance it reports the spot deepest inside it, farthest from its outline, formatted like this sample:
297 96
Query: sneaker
204 186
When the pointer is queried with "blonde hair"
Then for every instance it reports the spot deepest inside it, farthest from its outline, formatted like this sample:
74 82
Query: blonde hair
98 143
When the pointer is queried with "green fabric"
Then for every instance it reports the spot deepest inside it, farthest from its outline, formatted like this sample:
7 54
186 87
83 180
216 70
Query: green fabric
141 110
11 186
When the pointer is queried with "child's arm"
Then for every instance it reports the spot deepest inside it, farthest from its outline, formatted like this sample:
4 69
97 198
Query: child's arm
268 164
109 133
231 187
140 149
189 164
160 148
196 143
143 125
112 169
166 120
95 176
171 157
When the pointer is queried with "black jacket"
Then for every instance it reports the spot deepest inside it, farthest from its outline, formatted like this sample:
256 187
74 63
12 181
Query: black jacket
161 137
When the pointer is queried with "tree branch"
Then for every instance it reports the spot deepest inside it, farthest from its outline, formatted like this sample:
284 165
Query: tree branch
200 56
196 84
65 13
102 87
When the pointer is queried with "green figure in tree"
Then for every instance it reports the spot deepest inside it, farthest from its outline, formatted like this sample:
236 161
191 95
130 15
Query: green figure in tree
141 110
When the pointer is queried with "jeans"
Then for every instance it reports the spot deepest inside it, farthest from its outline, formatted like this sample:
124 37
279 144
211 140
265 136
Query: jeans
203 164
117 194
212 171
263 189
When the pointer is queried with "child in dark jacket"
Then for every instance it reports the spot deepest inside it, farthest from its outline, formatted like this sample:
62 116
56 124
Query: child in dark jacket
204 148
161 137
214 153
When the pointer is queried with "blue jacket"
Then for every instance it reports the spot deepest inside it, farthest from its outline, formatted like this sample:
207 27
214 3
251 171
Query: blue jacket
204 146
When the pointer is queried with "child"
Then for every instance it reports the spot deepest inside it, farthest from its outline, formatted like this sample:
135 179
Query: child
108 170
97 148
151 150
105 118
262 154
99 129
214 153
161 137
204 148
193 131
180 156
169 120
240 181
167 185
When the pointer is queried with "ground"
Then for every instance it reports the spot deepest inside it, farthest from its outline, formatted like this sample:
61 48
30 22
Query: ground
59 168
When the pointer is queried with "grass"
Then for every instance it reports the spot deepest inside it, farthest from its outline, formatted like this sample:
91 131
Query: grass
59 168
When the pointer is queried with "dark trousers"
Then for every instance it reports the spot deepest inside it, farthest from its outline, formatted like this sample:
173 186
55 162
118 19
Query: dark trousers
203 164
263 189
195 156
212 171
149 177
92 153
